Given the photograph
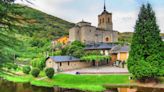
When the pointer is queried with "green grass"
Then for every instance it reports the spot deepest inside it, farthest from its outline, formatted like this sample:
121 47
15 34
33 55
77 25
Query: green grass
43 83
80 82
19 79
89 82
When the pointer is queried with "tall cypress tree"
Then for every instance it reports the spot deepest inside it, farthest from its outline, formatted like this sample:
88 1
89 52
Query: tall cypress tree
146 56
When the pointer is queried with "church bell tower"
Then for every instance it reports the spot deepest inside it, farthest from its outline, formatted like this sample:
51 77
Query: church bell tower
105 20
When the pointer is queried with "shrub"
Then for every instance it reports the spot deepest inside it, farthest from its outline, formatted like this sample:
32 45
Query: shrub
26 69
49 72
35 72
41 65
15 67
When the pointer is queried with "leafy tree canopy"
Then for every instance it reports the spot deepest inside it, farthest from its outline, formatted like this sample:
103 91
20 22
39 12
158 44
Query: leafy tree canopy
146 58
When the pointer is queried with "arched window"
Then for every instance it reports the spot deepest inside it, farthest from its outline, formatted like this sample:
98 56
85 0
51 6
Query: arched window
106 39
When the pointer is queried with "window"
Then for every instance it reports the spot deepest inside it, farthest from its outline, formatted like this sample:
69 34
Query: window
108 20
60 63
103 20
68 63
107 39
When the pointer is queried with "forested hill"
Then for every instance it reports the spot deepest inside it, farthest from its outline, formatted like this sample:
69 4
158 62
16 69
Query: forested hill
127 36
35 32
46 26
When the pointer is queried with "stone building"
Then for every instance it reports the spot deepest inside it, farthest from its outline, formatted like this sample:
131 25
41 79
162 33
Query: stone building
120 53
86 33
65 63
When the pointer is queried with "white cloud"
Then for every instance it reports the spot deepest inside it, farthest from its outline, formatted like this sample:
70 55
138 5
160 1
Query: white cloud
160 18
123 21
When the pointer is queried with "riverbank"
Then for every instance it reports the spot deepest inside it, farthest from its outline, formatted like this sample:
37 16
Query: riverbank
80 82
91 83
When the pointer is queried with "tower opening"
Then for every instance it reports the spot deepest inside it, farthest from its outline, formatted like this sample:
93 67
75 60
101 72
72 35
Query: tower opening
105 19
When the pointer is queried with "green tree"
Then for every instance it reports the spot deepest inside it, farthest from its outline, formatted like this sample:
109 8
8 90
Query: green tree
26 69
35 72
49 72
146 56
76 49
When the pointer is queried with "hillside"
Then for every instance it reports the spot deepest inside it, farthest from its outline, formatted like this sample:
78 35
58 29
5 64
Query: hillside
46 26
127 36
37 31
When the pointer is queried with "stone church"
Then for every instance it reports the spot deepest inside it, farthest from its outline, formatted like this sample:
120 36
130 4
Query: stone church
86 33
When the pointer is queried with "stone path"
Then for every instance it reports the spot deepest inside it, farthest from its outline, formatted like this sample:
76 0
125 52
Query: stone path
101 70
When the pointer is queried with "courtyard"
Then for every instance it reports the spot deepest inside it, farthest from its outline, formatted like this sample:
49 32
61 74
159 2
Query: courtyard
99 70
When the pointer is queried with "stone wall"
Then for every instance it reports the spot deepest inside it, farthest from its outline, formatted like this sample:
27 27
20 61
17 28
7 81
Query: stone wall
91 34
105 22
64 66
74 34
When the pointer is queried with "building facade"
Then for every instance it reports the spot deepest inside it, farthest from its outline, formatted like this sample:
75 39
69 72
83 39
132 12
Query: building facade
62 40
86 33
65 63
120 53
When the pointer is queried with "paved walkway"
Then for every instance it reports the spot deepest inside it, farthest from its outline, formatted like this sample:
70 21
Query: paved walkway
101 70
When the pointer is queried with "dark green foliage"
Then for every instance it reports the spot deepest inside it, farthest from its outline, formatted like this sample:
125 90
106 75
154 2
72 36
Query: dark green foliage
76 49
26 69
7 39
146 57
57 53
49 72
78 43
27 33
35 72
15 66
39 63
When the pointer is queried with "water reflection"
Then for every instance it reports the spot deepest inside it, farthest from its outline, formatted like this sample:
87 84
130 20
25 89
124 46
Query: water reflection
6 86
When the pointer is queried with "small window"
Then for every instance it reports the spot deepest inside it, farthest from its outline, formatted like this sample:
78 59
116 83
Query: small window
108 20
68 63
60 63
103 20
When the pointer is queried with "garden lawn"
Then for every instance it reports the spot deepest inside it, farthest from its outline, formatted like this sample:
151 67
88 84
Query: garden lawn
84 82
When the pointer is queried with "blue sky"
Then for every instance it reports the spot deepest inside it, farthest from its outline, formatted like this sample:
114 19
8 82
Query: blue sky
125 12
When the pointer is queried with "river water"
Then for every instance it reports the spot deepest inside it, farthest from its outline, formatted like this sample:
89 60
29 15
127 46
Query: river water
6 86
